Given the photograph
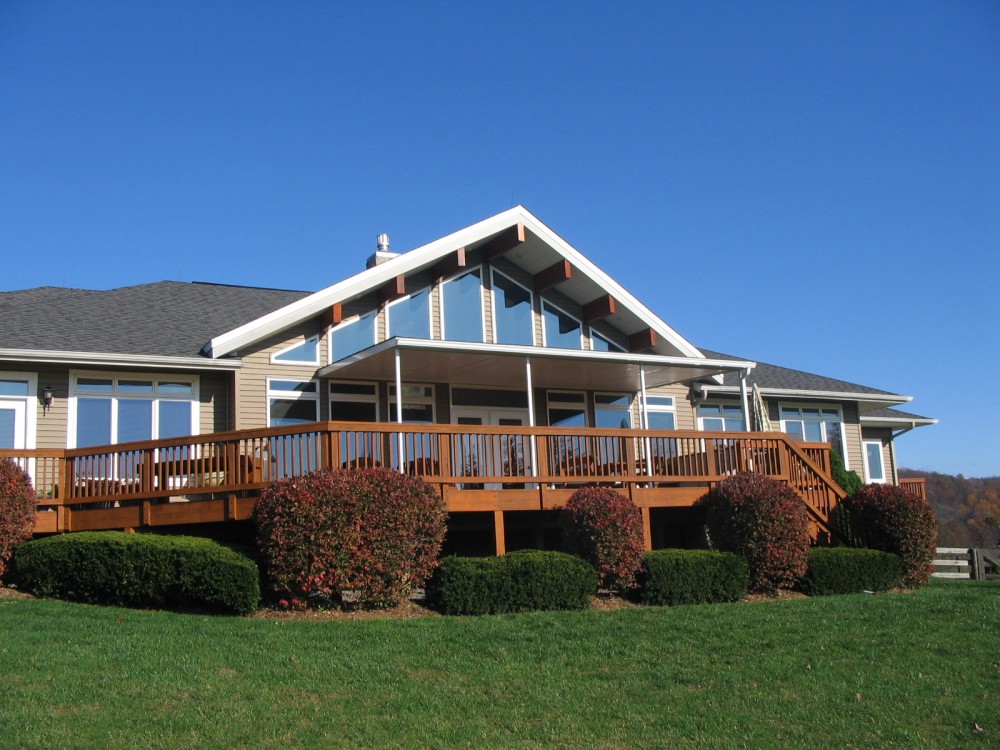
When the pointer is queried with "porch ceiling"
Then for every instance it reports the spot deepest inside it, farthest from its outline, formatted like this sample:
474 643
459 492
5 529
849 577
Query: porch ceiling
504 366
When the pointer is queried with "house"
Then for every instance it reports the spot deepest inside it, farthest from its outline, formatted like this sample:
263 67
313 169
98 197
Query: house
522 371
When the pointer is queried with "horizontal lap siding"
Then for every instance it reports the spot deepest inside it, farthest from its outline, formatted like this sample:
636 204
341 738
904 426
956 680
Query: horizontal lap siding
214 408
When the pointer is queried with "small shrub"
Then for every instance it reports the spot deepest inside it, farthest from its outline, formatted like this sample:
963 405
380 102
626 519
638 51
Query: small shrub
523 581
849 481
889 518
373 531
843 570
764 522
605 528
17 509
140 570
682 576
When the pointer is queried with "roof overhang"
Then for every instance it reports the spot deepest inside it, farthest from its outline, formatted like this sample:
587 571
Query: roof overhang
897 423
541 248
866 401
108 359
423 360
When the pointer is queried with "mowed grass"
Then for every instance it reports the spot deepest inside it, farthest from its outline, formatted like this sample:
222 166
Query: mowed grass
917 670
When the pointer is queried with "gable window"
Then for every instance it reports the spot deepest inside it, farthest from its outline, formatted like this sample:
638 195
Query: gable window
110 409
353 402
410 317
814 424
305 353
418 403
721 418
462 306
874 465
599 343
351 336
291 402
512 320
562 331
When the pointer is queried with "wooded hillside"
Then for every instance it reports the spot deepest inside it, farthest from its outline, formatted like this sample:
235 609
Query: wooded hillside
967 509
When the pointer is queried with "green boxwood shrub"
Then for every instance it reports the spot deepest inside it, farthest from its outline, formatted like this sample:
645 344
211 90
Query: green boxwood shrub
682 576
17 509
764 522
844 570
849 481
604 528
888 518
522 581
140 570
373 531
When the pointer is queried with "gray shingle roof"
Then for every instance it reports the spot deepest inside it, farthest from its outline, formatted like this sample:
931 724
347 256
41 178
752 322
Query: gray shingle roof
772 376
887 413
167 318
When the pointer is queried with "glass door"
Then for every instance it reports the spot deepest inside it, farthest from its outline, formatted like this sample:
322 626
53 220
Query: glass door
12 423
492 455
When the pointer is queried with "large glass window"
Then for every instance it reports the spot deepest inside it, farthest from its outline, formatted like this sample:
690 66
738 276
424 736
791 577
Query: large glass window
601 343
306 353
352 336
567 409
512 321
612 410
353 402
13 387
292 402
121 409
814 424
721 418
562 331
660 412
418 404
462 303
410 317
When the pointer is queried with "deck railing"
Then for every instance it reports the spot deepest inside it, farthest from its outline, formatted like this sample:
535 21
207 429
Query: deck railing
456 458
915 485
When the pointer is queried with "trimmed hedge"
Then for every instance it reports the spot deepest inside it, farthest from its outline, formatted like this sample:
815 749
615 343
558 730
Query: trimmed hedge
605 528
523 581
17 509
682 576
139 570
844 570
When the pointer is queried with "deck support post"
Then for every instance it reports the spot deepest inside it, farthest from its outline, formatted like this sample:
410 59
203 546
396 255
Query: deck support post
499 533
644 420
399 410
531 416
647 530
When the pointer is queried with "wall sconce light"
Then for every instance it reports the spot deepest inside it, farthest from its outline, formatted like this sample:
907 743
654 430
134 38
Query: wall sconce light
46 399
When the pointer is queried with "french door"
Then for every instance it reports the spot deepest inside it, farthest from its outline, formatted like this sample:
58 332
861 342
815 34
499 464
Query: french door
493 455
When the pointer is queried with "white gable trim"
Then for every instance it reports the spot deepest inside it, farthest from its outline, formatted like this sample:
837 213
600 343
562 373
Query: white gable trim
421 257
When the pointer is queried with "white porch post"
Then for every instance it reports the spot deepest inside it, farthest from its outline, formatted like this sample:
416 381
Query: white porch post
531 415
399 408
746 401
644 420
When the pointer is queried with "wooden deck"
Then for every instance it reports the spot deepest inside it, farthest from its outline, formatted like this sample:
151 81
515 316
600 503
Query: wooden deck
216 477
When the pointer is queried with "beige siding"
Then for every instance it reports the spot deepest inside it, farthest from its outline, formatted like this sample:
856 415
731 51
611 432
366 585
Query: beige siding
215 408
852 439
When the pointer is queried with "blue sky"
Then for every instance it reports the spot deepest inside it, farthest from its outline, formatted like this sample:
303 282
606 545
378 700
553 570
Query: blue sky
812 185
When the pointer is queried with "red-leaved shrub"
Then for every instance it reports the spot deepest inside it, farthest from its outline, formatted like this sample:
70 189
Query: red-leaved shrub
763 521
373 532
888 518
17 509
605 528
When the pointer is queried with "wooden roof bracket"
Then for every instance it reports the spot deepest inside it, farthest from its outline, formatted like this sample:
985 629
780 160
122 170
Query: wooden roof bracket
393 289
557 273
451 265
504 242
596 309
642 340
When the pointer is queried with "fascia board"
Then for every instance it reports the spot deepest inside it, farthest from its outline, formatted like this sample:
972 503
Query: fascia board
613 288
112 359
898 421
370 278
887 398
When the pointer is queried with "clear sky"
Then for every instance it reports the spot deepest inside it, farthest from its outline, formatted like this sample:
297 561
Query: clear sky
815 185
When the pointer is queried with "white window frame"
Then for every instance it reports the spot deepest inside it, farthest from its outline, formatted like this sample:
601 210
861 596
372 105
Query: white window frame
826 438
552 398
346 323
277 393
652 408
701 419
443 301
493 304
414 400
297 362
30 401
614 407
355 398
430 317
115 397
864 457
554 306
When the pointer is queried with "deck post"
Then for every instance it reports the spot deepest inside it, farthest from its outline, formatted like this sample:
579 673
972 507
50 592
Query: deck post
647 530
499 533
399 410
745 400
532 440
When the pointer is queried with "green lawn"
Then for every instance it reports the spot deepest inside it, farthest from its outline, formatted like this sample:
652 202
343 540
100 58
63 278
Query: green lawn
895 670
